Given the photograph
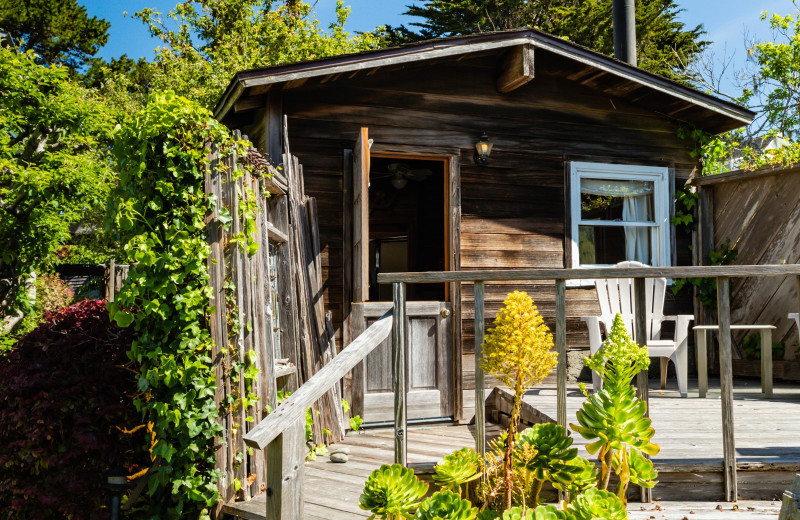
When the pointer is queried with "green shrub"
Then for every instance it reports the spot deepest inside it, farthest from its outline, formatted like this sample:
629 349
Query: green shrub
65 398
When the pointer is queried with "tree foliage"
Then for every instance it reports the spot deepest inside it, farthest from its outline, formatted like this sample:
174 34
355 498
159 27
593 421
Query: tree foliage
58 31
55 167
206 42
774 88
664 44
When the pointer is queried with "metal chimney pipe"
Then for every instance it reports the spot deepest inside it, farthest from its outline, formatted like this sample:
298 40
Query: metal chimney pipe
625 30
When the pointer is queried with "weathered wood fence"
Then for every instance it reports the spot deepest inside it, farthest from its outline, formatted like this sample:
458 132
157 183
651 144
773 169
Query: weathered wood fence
756 214
268 324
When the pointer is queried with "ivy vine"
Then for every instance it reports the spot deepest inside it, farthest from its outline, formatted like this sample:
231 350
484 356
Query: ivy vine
159 212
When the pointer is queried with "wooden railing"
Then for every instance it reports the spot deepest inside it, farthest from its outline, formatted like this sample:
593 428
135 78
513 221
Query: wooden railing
560 276
282 433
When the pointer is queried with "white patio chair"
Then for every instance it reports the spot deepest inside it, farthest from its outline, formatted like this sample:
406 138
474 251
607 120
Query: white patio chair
796 317
617 296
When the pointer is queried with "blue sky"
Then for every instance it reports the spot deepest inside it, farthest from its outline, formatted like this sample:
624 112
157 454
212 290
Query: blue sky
724 20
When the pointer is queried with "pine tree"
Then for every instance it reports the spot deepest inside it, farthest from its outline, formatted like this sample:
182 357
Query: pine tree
59 31
664 44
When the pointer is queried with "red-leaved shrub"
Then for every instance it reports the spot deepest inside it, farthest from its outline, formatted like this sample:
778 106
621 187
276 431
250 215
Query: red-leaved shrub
64 395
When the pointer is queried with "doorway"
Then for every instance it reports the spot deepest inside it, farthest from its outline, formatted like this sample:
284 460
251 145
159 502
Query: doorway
407 224
400 224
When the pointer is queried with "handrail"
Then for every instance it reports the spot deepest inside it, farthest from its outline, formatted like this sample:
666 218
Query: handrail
494 275
294 407
723 274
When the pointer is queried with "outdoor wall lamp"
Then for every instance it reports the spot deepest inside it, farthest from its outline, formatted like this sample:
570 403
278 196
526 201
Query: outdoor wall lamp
482 150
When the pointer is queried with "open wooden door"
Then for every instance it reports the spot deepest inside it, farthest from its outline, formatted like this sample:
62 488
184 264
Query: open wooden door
361 162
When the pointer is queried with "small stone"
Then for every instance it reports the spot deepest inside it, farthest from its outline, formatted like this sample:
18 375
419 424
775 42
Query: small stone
338 457
343 449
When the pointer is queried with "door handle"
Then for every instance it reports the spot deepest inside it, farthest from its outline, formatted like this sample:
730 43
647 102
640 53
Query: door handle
445 313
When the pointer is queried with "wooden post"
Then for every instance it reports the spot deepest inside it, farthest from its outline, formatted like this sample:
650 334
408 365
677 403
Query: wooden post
285 461
766 362
112 280
726 387
480 409
399 329
702 362
561 350
640 331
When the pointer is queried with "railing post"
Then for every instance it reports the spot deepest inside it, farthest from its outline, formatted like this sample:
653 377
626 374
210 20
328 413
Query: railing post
642 389
726 387
561 350
285 462
399 339
480 408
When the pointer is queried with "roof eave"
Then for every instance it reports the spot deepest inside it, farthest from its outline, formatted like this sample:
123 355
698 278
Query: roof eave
471 44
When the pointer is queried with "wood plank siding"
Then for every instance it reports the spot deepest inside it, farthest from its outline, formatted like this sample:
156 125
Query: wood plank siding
513 210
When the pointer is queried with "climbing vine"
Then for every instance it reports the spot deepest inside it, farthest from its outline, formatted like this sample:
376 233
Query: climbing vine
158 213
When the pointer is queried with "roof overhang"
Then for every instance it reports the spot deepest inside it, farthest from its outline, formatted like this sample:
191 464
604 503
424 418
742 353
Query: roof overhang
735 115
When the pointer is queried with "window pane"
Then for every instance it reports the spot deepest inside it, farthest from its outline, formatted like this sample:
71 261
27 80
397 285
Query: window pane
620 200
614 244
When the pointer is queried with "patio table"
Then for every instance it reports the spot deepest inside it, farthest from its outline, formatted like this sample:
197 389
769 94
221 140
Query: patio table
766 355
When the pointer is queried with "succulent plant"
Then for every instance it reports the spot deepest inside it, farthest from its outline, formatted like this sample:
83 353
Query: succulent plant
392 492
517 513
594 504
540 513
517 351
456 469
446 505
641 470
614 419
620 358
550 455
544 452
583 479
488 514
549 512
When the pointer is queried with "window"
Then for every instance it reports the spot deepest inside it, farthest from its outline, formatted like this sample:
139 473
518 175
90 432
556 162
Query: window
619 212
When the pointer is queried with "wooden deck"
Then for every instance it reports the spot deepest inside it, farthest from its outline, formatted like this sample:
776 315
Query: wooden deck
690 463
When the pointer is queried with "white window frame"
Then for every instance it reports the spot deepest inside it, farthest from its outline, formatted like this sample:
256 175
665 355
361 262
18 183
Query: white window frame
658 175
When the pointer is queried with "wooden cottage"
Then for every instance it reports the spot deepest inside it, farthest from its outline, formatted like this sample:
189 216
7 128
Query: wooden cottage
501 150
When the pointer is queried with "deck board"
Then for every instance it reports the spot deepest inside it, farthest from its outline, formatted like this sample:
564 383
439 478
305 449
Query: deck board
688 430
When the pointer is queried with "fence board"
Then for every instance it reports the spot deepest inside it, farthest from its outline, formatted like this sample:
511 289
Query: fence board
758 213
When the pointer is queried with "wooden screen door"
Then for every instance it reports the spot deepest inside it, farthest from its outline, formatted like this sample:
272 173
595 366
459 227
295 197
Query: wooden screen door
430 358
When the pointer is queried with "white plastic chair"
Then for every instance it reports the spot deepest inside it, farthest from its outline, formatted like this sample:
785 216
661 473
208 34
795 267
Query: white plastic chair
617 296
796 317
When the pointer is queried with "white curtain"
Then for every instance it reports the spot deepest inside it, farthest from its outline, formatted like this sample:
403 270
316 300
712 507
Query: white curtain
637 243
614 188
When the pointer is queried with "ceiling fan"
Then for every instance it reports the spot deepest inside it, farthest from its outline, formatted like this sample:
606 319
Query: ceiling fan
400 173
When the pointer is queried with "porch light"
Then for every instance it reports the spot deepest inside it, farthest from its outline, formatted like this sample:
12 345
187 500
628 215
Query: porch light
482 150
